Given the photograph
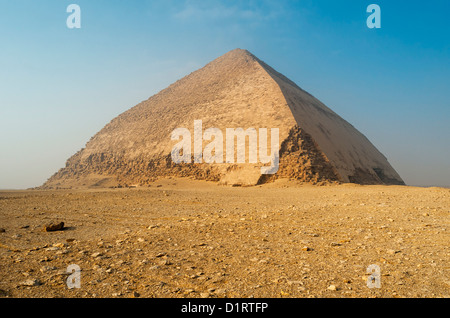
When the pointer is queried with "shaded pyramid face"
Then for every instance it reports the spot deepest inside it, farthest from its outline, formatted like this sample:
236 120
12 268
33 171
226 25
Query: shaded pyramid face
236 90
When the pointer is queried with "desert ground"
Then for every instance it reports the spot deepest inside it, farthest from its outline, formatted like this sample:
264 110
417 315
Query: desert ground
184 238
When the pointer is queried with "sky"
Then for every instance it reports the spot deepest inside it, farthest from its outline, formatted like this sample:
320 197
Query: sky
60 86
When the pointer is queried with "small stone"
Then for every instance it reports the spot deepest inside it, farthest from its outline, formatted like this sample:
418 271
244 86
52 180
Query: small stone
53 248
31 282
306 248
220 291
165 262
293 282
136 295
332 287
392 252
97 254
47 268
54 227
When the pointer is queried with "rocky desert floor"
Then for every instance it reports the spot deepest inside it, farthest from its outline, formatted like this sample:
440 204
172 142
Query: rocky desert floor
182 238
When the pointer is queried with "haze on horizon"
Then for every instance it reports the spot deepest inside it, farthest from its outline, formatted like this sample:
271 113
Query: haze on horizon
60 86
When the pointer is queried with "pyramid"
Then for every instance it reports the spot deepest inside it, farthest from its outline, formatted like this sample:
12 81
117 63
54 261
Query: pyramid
237 90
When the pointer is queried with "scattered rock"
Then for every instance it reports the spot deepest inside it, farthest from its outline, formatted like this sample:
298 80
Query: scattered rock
51 227
31 282
332 287
165 262
47 268
53 248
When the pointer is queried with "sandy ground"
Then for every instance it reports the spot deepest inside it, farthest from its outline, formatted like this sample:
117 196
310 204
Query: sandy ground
181 238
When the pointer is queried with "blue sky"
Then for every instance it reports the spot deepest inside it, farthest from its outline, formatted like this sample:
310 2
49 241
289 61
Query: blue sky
59 86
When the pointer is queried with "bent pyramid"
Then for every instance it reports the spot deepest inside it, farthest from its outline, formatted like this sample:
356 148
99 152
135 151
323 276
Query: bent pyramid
236 90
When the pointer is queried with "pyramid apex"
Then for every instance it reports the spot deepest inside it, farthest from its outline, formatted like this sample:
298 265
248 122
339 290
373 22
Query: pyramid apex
239 52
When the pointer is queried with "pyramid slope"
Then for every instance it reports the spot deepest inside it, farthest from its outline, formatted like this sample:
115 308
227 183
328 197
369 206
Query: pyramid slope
235 90
355 158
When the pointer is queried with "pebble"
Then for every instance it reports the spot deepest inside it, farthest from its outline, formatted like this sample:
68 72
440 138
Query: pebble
332 287
165 262
50 249
47 268
54 227
31 282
